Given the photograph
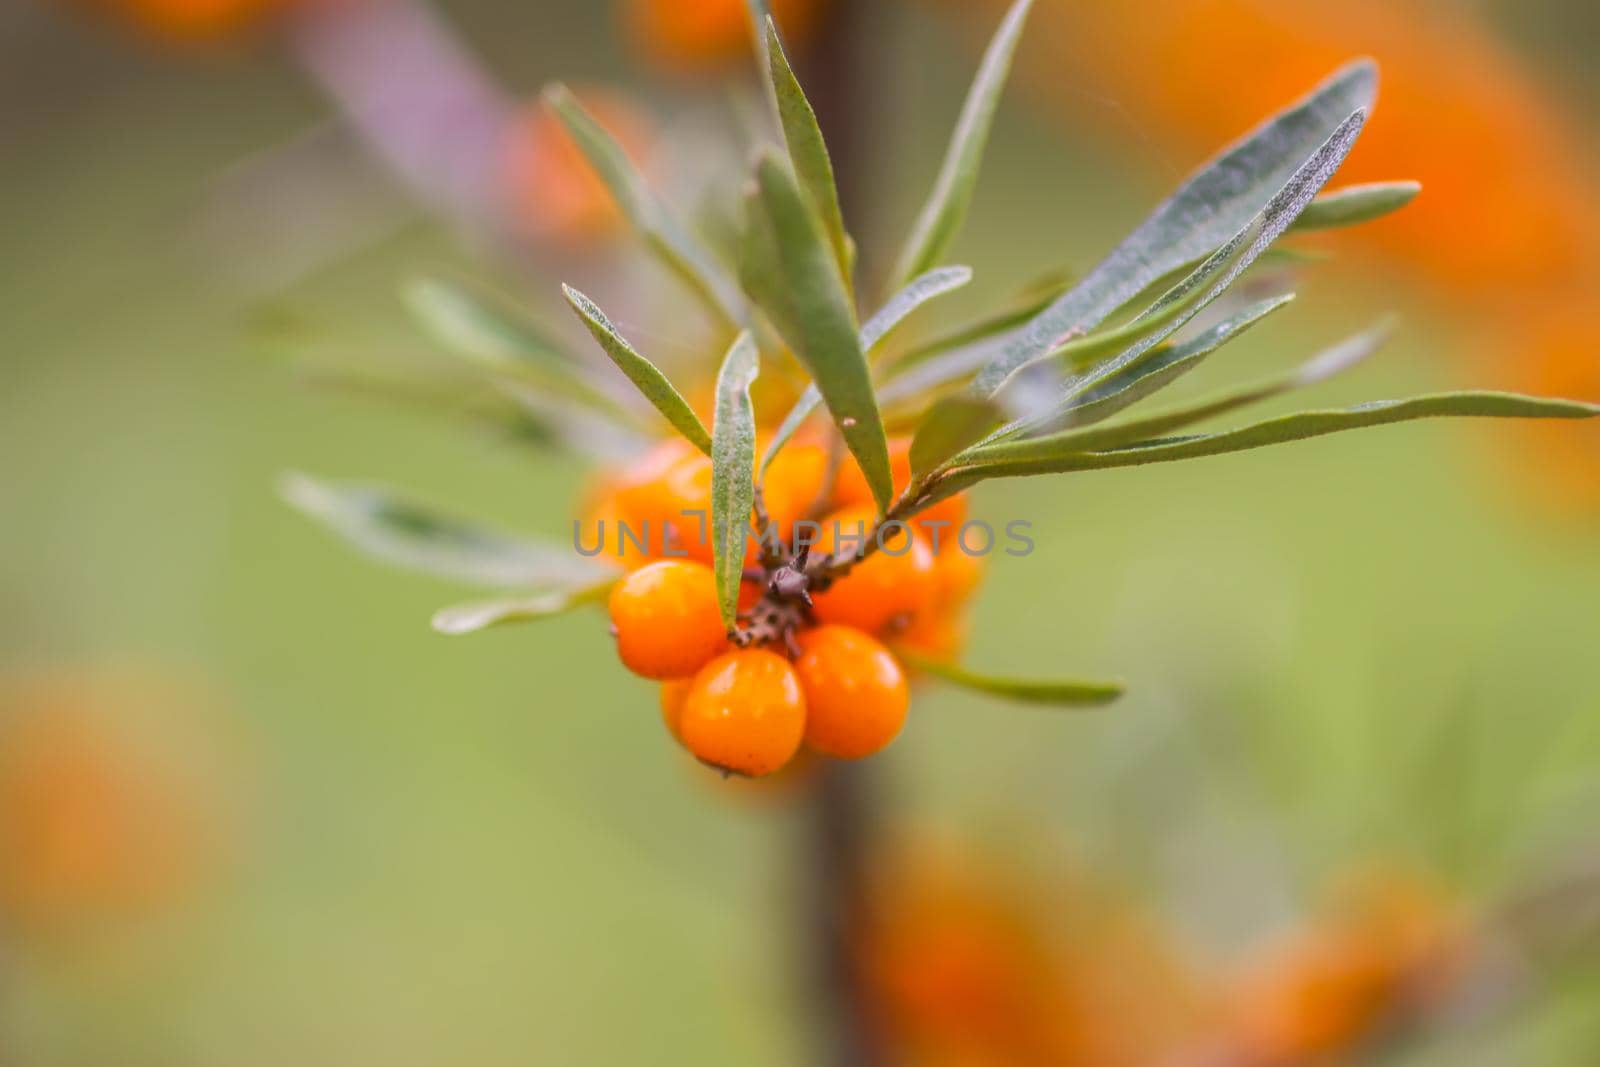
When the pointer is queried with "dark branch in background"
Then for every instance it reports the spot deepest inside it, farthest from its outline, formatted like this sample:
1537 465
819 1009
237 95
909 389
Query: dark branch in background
842 802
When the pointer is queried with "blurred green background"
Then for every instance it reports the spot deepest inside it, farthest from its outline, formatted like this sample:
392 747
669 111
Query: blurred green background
486 849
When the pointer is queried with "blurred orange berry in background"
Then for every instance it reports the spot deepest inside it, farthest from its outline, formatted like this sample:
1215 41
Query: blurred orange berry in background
1555 349
701 35
196 20
1387 945
96 826
971 963
555 194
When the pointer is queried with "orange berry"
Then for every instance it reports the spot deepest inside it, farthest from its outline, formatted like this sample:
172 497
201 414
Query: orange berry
856 695
667 620
673 693
942 521
745 712
956 575
792 484
896 580
666 502
693 35
939 635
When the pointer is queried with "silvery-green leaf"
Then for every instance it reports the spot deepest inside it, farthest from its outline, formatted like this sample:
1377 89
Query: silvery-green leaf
1222 267
946 208
1208 211
479 326
1102 397
1103 437
807 151
1280 430
951 424
483 614
1064 693
733 458
1035 298
1356 204
814 312
664 236
640 371
407 534
488 331
582 430
917 292
924 288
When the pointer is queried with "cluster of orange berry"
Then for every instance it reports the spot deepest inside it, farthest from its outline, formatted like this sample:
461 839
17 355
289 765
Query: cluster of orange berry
810 661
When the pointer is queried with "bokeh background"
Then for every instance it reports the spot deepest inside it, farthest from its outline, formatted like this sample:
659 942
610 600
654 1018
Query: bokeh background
255 811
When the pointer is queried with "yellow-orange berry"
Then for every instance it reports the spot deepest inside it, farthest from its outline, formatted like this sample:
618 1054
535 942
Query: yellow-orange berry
939 635
856 694
895 581
673 693
956 575
792 484
745 712
939 524
667 621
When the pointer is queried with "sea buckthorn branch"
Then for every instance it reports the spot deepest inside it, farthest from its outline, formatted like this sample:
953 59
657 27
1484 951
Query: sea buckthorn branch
1043 392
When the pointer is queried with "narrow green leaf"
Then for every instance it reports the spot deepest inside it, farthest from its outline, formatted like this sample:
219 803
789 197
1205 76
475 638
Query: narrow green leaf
902 304
1356 204
406 534
946 207
1222 267
1034 298
1055 693
483 614
481 327
917 292
1286 428
1116 435
490 332
952 424
733 458
664 236
807 151
1207 212
644 374
813 311
1104 396
1095 346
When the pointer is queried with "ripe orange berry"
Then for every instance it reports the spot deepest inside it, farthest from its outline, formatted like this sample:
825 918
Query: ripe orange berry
856 694
943 520
956 576
792 484
667 620
896 580
673 693
745 712
939 635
